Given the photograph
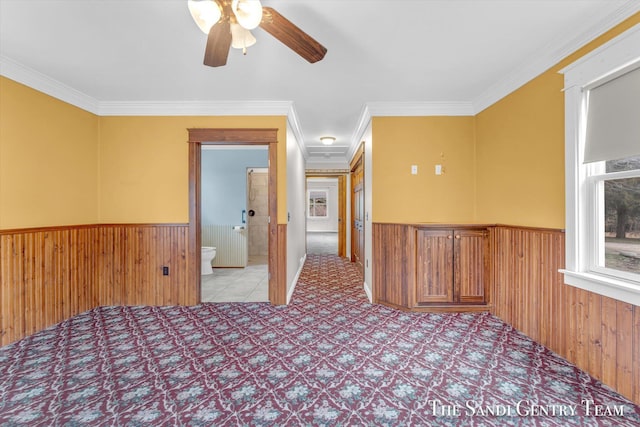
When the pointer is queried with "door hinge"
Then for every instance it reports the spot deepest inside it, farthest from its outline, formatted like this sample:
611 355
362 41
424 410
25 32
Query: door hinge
269 219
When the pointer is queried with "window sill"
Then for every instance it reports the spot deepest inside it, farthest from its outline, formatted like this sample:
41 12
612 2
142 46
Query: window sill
618 289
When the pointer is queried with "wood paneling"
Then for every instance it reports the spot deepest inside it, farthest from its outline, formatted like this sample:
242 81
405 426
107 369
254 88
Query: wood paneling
431 267
393 264
278 265
434 269
48 275
599 334
471 265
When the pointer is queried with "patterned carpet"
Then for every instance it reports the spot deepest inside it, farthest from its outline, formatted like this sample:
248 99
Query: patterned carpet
329 358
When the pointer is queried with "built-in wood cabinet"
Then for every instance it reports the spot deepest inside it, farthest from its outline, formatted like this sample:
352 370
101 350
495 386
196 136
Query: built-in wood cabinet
451 266
432 267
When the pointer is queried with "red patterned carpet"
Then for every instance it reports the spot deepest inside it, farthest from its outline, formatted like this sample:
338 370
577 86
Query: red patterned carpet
329 358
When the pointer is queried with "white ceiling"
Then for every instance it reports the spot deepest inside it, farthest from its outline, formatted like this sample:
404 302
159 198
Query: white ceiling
391 57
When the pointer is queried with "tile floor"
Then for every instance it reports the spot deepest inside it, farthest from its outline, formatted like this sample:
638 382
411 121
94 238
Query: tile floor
249 284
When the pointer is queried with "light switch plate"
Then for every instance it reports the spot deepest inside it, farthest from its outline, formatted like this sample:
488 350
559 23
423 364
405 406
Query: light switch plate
438 169
414 169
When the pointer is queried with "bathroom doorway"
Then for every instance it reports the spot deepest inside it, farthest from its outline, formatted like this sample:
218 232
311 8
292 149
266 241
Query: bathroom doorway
234 200
199 137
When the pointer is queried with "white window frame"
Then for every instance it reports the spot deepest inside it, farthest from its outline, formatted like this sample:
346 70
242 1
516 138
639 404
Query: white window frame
583 239
326 198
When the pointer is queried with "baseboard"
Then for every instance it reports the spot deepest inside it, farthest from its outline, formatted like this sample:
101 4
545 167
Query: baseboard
367 290
295 279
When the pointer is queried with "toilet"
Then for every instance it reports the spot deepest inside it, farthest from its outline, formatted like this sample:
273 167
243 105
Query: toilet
208 253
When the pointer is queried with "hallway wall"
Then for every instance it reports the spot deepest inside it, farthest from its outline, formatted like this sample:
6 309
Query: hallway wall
296 227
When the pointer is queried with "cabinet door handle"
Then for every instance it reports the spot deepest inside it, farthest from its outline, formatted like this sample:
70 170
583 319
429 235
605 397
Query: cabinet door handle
449 237
457 236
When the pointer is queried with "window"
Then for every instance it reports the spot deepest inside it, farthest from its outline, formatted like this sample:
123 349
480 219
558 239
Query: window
317 203
617 218
602 106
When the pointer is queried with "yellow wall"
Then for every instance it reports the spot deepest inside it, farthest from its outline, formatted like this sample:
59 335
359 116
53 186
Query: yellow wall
144 170
48 160
398 143
520 156
60 165
520 149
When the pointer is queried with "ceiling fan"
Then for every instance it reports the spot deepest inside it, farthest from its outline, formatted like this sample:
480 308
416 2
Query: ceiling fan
228 24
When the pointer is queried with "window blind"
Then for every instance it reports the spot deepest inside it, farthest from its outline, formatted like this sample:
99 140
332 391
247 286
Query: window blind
613 119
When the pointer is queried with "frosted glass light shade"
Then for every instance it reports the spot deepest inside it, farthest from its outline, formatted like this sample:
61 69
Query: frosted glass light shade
248 12
241 38
327 140
205 13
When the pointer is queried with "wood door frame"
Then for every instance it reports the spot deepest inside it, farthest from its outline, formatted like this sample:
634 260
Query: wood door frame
232 136
342 203
358 157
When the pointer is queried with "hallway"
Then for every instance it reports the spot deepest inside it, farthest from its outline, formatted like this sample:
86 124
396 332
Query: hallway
320 243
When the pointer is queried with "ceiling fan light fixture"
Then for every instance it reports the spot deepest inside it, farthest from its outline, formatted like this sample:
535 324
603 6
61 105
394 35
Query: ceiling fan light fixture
205 13
327 140
241 38
248 13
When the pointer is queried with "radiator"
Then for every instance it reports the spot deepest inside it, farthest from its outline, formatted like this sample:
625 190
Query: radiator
230 244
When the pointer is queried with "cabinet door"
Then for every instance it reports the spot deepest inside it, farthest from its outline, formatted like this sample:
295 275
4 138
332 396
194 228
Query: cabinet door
471 252
434 266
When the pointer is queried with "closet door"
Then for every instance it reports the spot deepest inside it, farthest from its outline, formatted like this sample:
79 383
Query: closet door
471 264
434 266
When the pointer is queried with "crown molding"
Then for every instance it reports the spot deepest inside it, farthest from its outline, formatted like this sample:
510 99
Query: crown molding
418 109
323 164
29 77
294 124
363 121
550 56
195 108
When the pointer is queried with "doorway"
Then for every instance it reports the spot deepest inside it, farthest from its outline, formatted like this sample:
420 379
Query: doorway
322 216
322 235
277 238
229 273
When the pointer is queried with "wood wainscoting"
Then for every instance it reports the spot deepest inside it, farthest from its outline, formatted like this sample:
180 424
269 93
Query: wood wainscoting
393 264
50 274
598 334
431 267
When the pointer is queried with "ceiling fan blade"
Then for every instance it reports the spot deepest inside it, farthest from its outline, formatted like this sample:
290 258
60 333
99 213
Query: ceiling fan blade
292 36
218 44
